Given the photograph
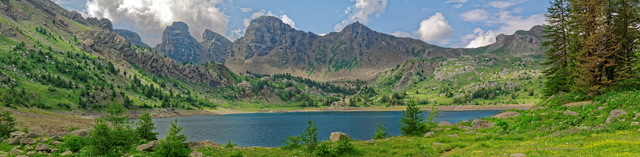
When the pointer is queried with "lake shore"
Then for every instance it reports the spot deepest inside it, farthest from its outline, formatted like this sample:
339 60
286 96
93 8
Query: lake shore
381 109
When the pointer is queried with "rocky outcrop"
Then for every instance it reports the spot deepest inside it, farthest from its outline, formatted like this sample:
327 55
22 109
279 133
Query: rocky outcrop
177 43
507 114
521 42
337 136
443 124
615 114
204 143
132 37
481 124
216 47
430 133
147 146
110 45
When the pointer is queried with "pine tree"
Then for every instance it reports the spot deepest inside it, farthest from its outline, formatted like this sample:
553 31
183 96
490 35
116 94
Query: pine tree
412 123
7 123
558 42
174 144
145 127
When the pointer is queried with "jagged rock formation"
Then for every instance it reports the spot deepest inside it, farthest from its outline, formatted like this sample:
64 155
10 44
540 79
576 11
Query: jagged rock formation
132 37
216 47
521 42
109 44
178 44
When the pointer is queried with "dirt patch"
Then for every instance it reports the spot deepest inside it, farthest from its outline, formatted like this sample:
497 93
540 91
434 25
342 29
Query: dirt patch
48 123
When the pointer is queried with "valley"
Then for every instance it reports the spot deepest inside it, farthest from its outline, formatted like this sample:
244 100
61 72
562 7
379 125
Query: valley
556 92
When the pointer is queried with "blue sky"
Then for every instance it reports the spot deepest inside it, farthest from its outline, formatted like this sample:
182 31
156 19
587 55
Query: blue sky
450 23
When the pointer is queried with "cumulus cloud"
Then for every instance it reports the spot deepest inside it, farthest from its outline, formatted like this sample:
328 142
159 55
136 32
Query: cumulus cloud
361 12
505 3
456 3
288 20
401 34
151 17
239 32
505 18
436 29
481 38
475 15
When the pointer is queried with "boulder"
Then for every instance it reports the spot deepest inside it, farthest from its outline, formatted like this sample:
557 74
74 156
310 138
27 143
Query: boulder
615 114
570 113
27 141
57 143
22 156
14 141
454 135
437 143
337 136
31 153
635 123
56 138
147 146
65 153
465 128
80 133
17 134
196 154
32 135
444 123
481 124
507 114
16 151
42 147
430 133
518 155
55 150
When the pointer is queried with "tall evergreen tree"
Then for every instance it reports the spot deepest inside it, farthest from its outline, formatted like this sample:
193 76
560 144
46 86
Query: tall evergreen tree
145 126
412 123
558 42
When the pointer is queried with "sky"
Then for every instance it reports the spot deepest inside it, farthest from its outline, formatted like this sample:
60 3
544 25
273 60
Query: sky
448 23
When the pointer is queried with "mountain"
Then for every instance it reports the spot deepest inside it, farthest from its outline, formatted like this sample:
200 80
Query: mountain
178 44
132 37
216 47
270 46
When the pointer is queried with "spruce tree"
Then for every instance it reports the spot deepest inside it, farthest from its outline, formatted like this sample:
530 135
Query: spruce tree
7 123
412 123
174 144
145 127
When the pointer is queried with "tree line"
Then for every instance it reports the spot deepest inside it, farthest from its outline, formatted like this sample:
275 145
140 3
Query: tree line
592 45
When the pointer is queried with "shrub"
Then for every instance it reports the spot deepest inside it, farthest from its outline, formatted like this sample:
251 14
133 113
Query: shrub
174 144
7 123
308 138
112 135
145 126
292 142
381 132
75 143
343 146
412 123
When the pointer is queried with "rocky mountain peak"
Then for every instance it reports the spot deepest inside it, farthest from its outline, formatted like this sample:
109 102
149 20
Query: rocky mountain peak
177 43
356 27
521 42
210 35
132 37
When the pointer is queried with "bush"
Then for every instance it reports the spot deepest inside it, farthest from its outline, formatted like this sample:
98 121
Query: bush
412 123
308 138
381 132
174 144
75 143
343 146
145 127
112 135
7 123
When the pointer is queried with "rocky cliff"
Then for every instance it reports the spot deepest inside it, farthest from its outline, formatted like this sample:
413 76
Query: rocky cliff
178 44
132 37
216 47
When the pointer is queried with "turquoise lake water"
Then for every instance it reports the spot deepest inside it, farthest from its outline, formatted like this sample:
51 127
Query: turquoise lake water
270 129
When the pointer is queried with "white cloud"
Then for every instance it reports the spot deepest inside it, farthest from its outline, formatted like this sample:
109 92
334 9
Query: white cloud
505 3
456 3
436 29
288 20
475 15
481 38
245 10
361 12
237 33
401 34
152 16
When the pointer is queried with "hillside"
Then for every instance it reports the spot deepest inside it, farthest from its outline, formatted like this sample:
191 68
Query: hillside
54 59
